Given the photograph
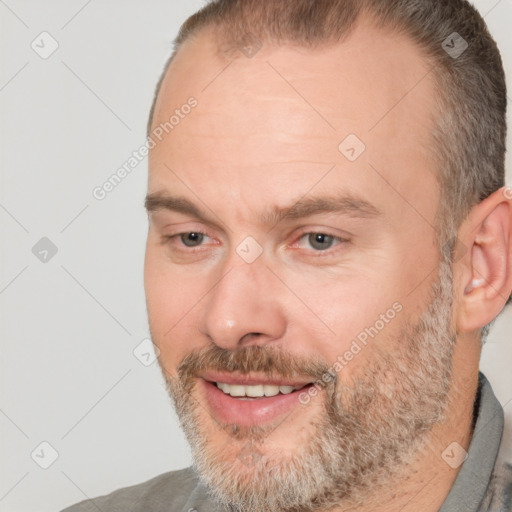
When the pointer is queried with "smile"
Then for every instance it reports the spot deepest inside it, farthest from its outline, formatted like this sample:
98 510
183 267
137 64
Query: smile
255 391
248 400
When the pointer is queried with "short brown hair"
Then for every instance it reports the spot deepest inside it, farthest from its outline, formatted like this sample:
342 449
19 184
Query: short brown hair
469 136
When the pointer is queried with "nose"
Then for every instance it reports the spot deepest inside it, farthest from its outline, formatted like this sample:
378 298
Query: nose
243 307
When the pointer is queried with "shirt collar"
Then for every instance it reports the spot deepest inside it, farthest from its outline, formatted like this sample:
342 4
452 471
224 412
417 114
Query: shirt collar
471 483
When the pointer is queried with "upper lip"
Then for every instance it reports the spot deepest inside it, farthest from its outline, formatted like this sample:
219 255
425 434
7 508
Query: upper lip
252 379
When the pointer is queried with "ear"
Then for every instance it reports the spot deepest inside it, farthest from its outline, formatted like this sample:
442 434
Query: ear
483 276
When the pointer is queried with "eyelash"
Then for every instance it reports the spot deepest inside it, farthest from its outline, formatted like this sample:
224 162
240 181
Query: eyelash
171 238
337 240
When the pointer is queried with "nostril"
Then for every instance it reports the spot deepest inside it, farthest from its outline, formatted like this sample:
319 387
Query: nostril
251 335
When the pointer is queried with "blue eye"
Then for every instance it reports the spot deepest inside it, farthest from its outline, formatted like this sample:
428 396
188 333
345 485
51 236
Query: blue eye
192 239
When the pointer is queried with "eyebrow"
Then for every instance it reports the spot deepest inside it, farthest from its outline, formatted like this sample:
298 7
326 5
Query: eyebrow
345 204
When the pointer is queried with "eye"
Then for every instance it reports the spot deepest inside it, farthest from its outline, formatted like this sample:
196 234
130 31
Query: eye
318 241
189 246
192 238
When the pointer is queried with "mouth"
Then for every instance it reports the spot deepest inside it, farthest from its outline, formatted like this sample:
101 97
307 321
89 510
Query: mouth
248 400
256 391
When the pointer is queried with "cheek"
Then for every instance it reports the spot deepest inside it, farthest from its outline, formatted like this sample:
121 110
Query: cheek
341 304
344 320
172 305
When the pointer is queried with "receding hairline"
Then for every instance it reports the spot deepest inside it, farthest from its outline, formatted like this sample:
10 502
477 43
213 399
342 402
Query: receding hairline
227 43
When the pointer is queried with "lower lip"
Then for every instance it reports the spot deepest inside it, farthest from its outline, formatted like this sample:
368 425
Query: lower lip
249 412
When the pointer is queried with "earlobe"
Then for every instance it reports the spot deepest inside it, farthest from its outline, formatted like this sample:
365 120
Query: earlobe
486 270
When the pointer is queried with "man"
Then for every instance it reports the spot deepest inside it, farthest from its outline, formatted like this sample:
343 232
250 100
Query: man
329 242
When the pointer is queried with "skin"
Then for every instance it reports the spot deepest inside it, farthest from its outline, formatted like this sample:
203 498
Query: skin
252 144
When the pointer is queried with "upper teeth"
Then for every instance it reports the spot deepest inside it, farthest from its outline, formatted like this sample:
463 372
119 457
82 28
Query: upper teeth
255 391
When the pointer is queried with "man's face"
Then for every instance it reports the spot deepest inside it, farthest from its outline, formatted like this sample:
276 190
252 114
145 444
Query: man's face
303 247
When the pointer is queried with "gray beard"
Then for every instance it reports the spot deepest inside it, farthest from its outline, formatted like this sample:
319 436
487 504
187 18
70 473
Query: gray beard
369 430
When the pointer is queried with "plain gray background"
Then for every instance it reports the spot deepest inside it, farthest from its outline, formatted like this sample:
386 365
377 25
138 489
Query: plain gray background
72 320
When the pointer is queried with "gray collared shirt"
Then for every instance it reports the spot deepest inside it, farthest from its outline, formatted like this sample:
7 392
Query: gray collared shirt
473 490
483 484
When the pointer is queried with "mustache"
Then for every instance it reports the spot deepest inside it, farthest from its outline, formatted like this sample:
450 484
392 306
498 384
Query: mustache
267 360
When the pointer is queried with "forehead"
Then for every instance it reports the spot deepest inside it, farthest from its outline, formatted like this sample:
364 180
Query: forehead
280 119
